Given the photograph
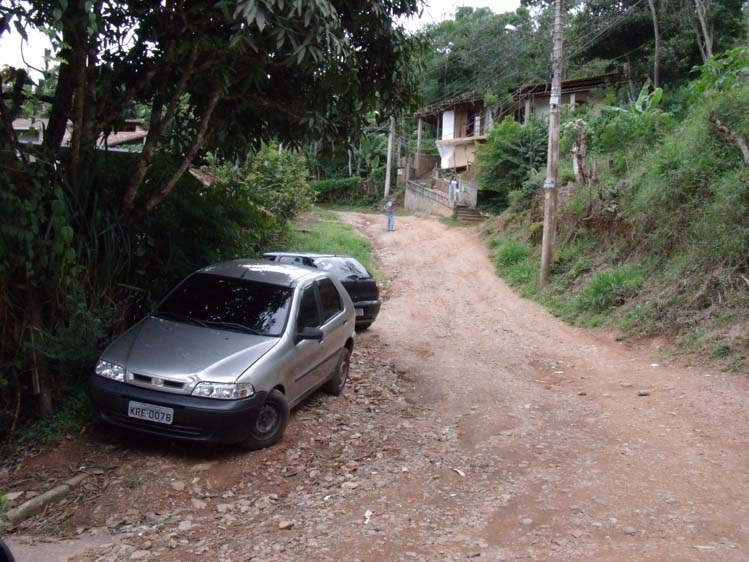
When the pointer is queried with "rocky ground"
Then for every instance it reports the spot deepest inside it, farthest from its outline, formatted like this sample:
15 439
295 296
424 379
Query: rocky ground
476 426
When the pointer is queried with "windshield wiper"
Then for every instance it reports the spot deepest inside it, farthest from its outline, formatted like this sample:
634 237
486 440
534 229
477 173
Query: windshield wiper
234 326
179 317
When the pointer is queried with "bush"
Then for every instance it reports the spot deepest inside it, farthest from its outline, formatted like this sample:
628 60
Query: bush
511 152
85 271
611 289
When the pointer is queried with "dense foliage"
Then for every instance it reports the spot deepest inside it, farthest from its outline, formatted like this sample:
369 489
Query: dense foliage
98 235
657 239
512 152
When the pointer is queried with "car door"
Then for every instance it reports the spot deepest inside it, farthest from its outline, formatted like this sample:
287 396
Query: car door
333 322
308 354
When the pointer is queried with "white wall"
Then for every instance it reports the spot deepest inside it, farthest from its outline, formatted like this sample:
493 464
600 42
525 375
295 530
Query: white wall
448 125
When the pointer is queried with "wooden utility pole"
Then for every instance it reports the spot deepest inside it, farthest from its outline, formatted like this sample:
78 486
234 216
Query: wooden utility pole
552 165
389 165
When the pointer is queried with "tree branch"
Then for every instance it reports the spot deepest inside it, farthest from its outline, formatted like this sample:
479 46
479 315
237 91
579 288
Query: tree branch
731 135
156 130
197 144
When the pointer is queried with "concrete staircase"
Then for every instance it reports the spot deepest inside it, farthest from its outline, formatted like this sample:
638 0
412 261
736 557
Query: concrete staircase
467 215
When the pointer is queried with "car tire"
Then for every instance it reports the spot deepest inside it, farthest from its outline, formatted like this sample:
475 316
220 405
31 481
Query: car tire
270 423
363 327
337 382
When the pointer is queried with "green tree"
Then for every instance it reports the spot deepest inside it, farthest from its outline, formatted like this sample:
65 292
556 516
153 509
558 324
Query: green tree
511 152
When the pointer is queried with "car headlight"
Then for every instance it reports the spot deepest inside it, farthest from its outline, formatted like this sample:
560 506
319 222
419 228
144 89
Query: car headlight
224 391
110 371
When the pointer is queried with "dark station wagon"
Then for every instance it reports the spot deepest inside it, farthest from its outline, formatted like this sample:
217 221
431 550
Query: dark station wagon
361 286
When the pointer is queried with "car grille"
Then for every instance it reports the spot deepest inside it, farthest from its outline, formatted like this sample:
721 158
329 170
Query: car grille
161 382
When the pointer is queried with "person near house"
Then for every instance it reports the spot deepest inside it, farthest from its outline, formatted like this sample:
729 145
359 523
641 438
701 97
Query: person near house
451 188
390 213
456 189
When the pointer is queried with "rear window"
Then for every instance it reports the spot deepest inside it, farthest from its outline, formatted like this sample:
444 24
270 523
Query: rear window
229 303
343 268
329 298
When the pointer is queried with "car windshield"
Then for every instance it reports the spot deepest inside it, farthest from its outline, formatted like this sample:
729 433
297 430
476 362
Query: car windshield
342 268
228 303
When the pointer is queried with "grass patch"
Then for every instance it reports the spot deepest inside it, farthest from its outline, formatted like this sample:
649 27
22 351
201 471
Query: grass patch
452 221
370 209
610 289
72 414
322 231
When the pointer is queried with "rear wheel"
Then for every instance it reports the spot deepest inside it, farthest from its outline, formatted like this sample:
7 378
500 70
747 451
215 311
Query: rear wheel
335 385
270 423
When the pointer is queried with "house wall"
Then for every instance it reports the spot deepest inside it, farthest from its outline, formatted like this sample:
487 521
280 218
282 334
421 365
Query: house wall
448 124
540 104
456 156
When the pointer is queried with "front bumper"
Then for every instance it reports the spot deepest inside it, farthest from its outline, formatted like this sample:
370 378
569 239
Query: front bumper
370 311
195 419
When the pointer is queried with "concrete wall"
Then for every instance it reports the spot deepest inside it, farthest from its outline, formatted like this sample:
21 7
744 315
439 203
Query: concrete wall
426 200
448 124
423 164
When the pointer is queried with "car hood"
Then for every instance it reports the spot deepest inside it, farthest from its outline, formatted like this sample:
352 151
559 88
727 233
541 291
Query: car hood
175 350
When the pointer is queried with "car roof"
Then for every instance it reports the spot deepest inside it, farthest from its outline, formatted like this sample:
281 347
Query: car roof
305 255
263 271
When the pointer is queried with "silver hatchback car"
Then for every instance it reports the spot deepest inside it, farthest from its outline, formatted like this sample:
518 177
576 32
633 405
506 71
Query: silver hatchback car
228 353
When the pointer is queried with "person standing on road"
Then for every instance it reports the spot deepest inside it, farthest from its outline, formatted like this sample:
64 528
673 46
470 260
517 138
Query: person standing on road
390 212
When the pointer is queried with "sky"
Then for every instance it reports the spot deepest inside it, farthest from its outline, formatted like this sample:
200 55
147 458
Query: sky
438 10
434 11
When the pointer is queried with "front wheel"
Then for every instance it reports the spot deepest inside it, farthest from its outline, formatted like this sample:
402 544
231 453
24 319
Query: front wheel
335 385
270 423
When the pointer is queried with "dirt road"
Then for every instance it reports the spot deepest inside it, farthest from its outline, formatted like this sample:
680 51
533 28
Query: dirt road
477 427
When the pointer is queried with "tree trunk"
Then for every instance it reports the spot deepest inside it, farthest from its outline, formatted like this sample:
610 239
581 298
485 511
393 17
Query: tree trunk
156 129
40 371
701 8
579 157
63 98
657 35
731 135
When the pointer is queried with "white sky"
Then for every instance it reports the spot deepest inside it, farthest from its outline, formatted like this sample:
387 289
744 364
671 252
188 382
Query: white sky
434 11
438 10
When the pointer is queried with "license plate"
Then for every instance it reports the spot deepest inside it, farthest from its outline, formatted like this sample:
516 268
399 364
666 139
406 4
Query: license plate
360 312
149 412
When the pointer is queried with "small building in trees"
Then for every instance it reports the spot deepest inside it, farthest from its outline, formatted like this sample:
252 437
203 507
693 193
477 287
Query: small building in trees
130 135
461 123
533 99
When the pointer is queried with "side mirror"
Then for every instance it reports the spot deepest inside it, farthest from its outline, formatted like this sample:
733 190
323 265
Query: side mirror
309 334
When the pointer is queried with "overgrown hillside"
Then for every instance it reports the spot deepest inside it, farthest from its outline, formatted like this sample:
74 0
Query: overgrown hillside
653 237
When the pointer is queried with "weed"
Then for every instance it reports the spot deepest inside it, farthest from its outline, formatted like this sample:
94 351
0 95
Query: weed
511 253
452 221
132 483
73 413
610 289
